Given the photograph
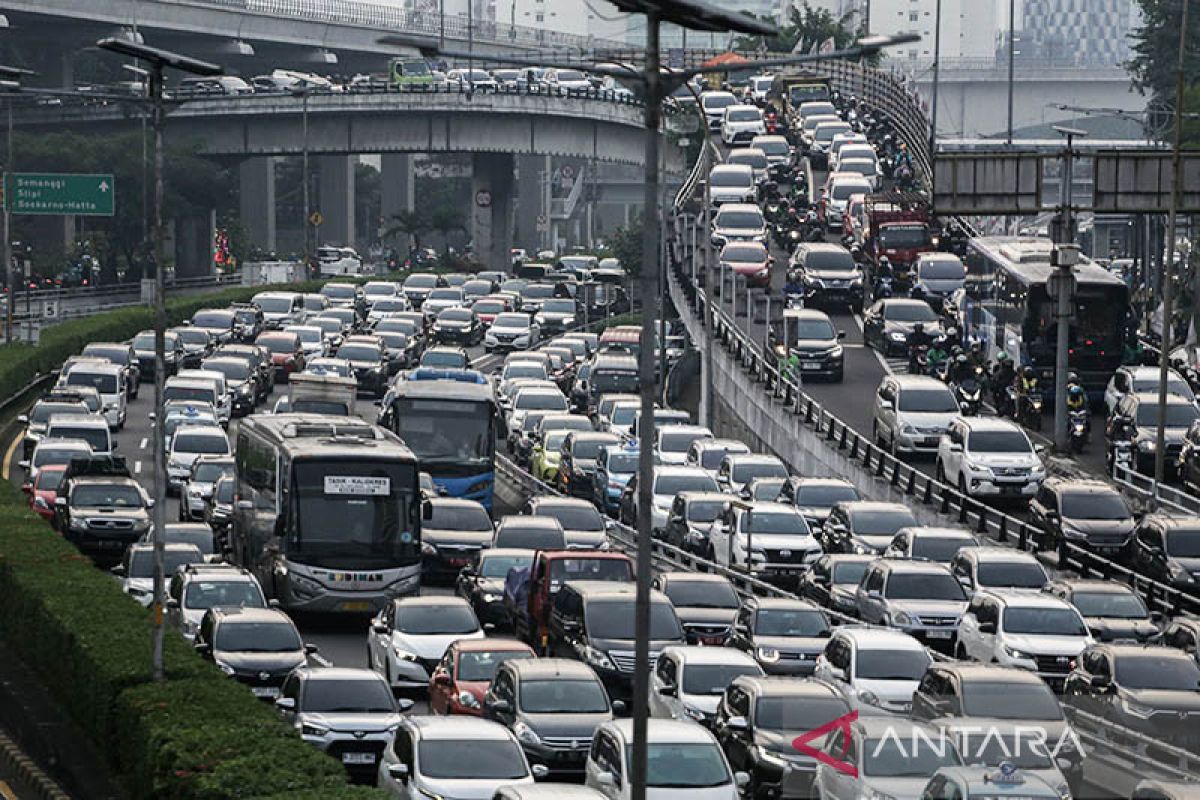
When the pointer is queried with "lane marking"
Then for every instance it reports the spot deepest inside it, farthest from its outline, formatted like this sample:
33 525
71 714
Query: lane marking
321 660
887 368
137 467
142 443
8 455
6 791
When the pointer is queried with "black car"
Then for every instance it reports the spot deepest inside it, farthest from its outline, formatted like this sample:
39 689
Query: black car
706 604
864 527
1113 611
757 721
446 357
369 361
888 323
255 646
828 274
143 348
784 636
1134 425
260 357
1088 513
812 344
1184 633
453 533
577 463
1167 549
248 322
691 515
457 326
482 584
241 380
833 581
556 315
816 497
397 348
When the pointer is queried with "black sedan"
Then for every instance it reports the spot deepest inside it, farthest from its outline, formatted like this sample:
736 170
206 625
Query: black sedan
888 323
458 326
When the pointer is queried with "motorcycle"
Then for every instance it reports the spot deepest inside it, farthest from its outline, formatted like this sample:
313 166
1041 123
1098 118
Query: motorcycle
1120 454
918 360
969 394
1029 409
1078 428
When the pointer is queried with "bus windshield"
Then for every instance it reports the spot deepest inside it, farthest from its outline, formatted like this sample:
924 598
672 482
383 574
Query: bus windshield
447 433
353 514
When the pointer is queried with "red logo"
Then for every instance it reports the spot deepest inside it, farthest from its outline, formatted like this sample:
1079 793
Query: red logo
842 723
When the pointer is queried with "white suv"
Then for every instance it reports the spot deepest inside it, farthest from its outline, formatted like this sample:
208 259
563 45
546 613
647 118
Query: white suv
738 222
911 413
732 183
983 568
771 538
682 686
1037 632
989 458
873 667
741 123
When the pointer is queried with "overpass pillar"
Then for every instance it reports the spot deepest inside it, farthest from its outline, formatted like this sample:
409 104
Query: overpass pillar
335 193
530 171
398 190
491 209
257 197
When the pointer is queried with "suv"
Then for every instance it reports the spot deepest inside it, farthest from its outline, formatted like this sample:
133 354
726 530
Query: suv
737 222
583 526
668 482
136 570
833 580
407 639
1167 549
687 761
688 682
705 604
989 458
1088 513
91 428
828 273
196 588
197 490
873 668
109 380
577 463
918 597
690 516
1113 611
120 353
980 568
930 544
911 414
1133 379
187 445
784 636
814 343
1134 423
738 469
552 705
102 514
881 757
769 539
864 527
38 419
453 534
816 497
756 723
256 646
1036 632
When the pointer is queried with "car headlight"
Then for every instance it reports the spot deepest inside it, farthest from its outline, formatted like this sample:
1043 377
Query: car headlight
693 713
1064 792
766 756
40 502
1138 710
244 389
228 670
526 734
977 467
1013 652
901 618
404 655
767 655
191 628
428 550
1147 445
597 658
868 697
897 337
490 598
1178 573
910 430
467 699
308 729
837 351
78 524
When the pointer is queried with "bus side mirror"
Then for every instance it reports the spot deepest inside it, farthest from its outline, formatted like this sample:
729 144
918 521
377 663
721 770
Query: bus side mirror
426 510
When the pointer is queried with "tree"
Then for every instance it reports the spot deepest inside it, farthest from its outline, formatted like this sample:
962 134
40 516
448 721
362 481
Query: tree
1155 59
410 222
807 26
626 246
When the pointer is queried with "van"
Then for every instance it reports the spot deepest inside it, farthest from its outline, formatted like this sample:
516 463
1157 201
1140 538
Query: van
109 380
203 391
611 373
280 308
223 406
91 428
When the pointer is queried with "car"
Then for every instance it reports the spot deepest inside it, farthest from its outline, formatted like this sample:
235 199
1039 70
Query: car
1034 631
868 168
836 194
864 527
369 291
136 570
460 682
101 514
197 588
197 534
546 455
1137 379
930 544
197 344
708 453
705 604
312 340
762 490
684 760
668 482
219 515
778 152
812 346
408 638
753 158
552 706
556 315
578 460
287 352
445 357
1087 513
875 669
738 469
1134 424
877 756
260 358
688 682
888 323
750 261
816 497
1187 463
38 418
671 442
820 140
1037 777
1113 612
369 361
529 533
347 712
512 330
911 414
457 756
615 467
713 105
1151 789
833 580
756 725
690 517
992 458
241 381
732 183
248 321
784 636
179 414
42 489
197 489
122 354
280 308
738 222
418 285
189 443
583 526
453 534
772 540
457 325
741 123
109 380
482 584
978 568
920 598
1184 633
1167 549
258 647
939 275
143 348
219 323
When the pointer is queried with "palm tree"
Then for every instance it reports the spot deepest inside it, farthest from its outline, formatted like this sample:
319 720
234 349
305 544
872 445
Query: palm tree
412 223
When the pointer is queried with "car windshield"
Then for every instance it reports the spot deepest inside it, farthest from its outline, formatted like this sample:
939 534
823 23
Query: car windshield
924 586
908 312
825 495
488 306
1105 505
274 305
883 522
55 455
48 480
789 622
715 102
358 352
993 749
336 291
199 535
1175 385
1009 700
529 538
185 442
563 697
202 595
849 572
106 495
559 306
928 401
471 759
498 566
428 620
96 436
1177 673
814 329
704 510
420 281
891 665
257 637
1178 415
826 131
446 293
939 548
901 237
739 219
279 344
683 766
455 315
389 304
326 324
1044 621
393 340
1122 605
623 415
576 517
544 401
232 370
208 471
1012 574
378 290
678 442
842 190
1183 542
224 492
774 522
732 178
141 561
347 696
773 147
613 619
246 316
212 319
194 336
711 457
118 354
744 115
104 383
905 757
701 594
713 679
588 449
745 472
744 253
589 569
1009 441
456 517
776 712
941 269
622 463
444 358
672 485
480 665
42 411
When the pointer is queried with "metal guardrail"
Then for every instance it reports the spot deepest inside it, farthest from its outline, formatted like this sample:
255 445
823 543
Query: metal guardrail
1132 749
1157 494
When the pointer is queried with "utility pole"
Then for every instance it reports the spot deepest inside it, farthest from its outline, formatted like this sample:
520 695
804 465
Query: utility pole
1012 53
1168 279
1064 256
937 57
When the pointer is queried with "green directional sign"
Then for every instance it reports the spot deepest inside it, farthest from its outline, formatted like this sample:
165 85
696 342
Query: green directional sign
59 193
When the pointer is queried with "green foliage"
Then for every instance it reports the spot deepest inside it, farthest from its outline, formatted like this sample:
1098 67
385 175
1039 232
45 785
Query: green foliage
438 210
1155 60
808 26
626 246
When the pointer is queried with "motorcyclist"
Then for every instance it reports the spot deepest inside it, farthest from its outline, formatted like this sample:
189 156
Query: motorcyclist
903 157
917 339
975 355
1023 385
883 280
1076 397
938 352
1003 376
792 285
961 369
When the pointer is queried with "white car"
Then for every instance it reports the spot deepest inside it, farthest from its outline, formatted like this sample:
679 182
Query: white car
410 635
377 290
312 340
752 157
709 454
280 308
512 330
339 261
741 123
671 442
738 222
759 86
912 412
670 481
535 398
768 537
918 597
685 763
738 469
224 405
453 757
874 668
688 681
713 104
980 568
1131 380
439 300
986 457
385 307
1037 632
189 443
732 183
109 380
566 81
866 167
854 150
881 757
840 187
136 570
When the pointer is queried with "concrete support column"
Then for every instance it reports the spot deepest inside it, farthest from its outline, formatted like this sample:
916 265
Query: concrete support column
335 199
492 209
529 201
398 191
257 196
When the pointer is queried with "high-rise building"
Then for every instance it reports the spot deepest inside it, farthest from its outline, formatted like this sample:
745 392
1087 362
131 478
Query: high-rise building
1084 33
968 27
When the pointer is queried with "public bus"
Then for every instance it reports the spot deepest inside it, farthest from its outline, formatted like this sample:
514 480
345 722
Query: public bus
328 512
1005 306
448 418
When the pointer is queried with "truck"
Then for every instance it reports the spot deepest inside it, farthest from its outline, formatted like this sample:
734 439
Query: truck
897 225
410 72
529 591
314 393
790 89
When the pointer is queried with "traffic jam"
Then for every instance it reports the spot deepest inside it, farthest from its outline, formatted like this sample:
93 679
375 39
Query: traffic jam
336 474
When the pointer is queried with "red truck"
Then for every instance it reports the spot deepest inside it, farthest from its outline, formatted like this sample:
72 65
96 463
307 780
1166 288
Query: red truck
529 591
897 225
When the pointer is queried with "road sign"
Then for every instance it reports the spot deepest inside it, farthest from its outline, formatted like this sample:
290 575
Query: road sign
542 223
59 193
316 218
988 183
49 309
675 58
483 198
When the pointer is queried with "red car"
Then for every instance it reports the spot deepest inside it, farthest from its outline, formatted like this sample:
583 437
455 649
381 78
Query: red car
287 354
486 308
44 489
458 684
750 260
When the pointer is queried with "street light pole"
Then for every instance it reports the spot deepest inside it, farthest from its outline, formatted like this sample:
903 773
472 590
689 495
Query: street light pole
1012 52
1064 259
306 180
937 58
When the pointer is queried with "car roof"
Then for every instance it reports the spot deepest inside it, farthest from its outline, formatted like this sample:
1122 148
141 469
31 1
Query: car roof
992 673
872 638
660 730
749 458
1027 599
553 501
1157 650
430 601
684 576
1079 485
247 614
990 424
530 668
909 565
490 645
918 382
338 674
789 686
998 554
458 726
931 532
676 469
1093 585
696 654
528 521
768 506
873 505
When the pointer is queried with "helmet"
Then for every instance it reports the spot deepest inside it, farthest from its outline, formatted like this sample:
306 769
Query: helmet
952 332
919 327
884 260
1072 378
976 346
961 358
1002 356
957 352
1028 373
1075 391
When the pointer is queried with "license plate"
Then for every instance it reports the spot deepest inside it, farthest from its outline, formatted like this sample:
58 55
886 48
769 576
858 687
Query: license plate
358 758
810 365
1011 489
1108 549
265 691
458 562
711 639
355 605
938 634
